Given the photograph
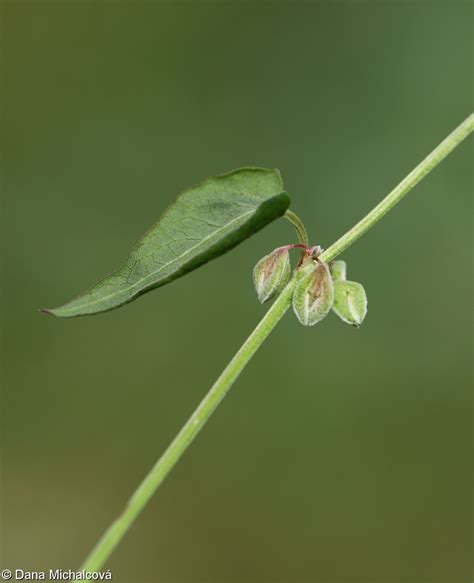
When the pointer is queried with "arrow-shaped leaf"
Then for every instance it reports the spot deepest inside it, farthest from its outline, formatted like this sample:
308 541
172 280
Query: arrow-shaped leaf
206 221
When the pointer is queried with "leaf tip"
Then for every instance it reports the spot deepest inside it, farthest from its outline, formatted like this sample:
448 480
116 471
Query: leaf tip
48 311
56 312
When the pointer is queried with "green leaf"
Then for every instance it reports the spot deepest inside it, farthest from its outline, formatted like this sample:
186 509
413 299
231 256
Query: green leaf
206 221
350 302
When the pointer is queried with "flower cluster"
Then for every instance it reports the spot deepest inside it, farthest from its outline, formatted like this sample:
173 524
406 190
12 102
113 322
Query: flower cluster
319 286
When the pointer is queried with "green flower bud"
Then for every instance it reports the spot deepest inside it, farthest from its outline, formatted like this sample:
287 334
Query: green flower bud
314 293
350 302
338 270
272 273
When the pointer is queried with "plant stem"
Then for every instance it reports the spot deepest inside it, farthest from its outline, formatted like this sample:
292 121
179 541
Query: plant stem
158 473
299 226
423 168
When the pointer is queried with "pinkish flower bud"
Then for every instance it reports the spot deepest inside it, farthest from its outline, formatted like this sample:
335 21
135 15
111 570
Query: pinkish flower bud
314 293
272 273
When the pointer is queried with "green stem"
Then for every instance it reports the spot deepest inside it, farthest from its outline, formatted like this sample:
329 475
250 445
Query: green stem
158 473
299 226
423 168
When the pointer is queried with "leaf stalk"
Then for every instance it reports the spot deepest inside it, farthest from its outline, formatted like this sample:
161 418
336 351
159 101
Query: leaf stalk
299 226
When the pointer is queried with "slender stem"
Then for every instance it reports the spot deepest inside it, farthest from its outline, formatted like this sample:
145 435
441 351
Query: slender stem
158 473
423 168
299 226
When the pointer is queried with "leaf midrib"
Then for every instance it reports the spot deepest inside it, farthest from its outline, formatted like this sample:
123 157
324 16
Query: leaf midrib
139 281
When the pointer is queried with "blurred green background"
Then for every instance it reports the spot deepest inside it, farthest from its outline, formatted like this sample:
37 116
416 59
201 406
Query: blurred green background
340 456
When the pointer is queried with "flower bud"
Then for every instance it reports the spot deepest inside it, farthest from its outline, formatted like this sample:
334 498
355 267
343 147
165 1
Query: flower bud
314 293
350 302
272 273
338 270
